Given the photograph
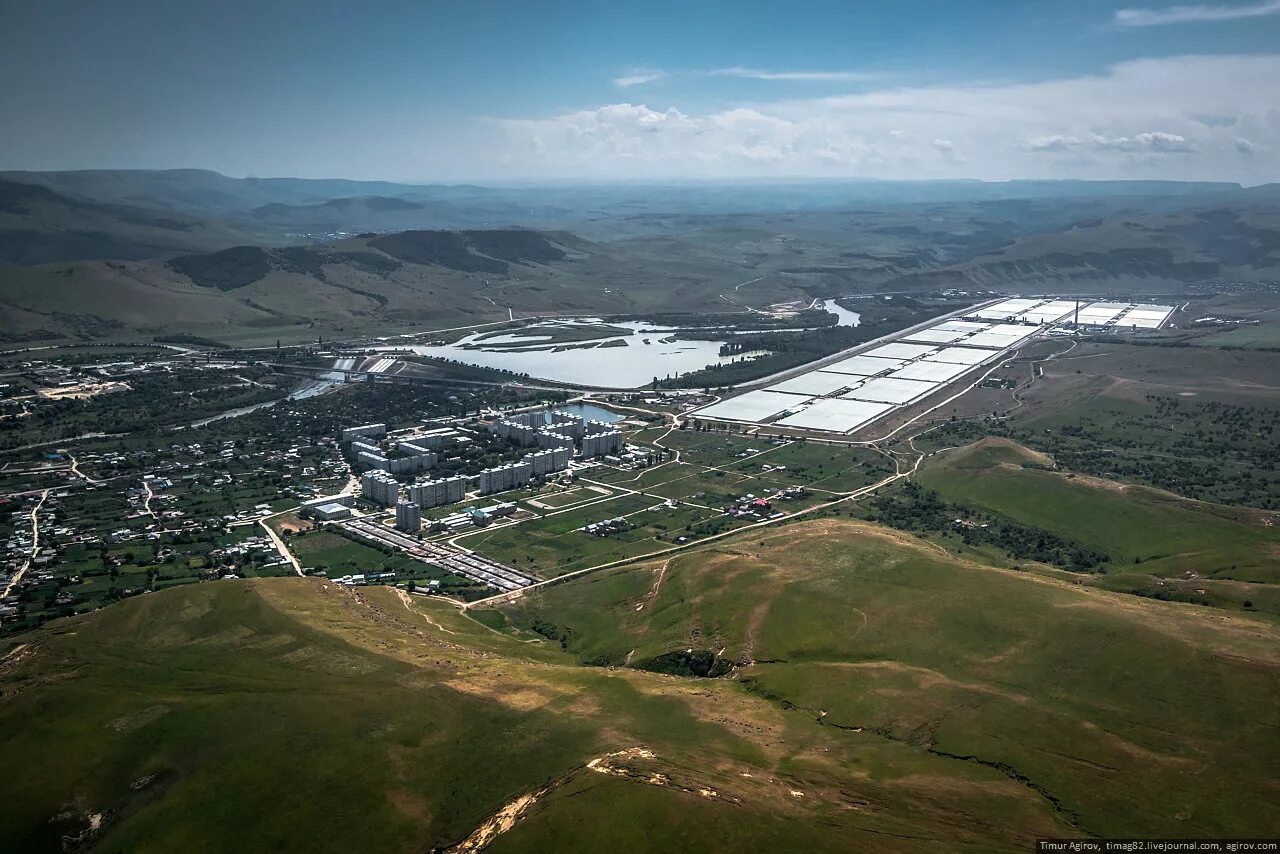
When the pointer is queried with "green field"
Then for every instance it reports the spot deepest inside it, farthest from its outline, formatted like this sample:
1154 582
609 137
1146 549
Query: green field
1163 534
553 545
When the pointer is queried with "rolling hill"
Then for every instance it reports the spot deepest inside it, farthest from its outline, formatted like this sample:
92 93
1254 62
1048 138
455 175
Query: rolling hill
1152 251
199 192
38 226
366 285
877 694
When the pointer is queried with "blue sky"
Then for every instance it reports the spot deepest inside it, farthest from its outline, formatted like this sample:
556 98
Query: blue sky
508 91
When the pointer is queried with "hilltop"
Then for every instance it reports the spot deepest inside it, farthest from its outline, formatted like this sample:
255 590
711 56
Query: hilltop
878 694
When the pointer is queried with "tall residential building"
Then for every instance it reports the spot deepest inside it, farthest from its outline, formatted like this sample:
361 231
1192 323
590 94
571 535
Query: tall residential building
415 464
597 444
380 488
371 431
408 517
552 459
504 477
548 439
372 460
433 493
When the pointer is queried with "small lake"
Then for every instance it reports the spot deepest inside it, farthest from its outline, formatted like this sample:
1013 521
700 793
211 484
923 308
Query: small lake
844 317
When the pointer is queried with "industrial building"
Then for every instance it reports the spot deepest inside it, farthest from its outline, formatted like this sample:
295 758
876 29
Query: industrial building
849 393
328 511
408 517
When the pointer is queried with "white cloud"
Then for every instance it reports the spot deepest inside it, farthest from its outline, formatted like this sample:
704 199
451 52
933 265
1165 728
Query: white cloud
821 76
1194 14
1138 119
639 77
1244 146
1057 142
1155 141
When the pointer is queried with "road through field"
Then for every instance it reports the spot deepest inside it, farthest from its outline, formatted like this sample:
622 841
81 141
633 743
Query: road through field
35 545
280 546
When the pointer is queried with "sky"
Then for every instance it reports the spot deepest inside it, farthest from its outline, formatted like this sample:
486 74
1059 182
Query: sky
548 91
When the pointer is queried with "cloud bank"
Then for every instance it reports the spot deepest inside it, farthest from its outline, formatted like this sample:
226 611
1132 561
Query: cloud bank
1193 14
1191 117
816 76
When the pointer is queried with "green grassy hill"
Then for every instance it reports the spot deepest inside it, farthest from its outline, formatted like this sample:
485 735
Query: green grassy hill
1158 543
1124 716
880 695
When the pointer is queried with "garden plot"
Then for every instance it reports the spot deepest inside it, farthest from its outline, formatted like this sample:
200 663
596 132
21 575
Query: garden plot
890 390
836 415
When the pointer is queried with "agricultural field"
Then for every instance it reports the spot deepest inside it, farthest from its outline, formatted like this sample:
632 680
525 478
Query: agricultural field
712 473
330 553
554 544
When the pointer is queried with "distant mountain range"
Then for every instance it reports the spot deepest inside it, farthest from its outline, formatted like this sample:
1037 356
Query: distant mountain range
108 254
38 225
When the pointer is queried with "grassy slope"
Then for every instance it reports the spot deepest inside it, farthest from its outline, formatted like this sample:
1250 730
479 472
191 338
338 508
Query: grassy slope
896 697
1131 716
124 299
285 713
1169 535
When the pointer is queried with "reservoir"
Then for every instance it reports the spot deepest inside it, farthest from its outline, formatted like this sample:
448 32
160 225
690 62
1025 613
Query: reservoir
622 354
